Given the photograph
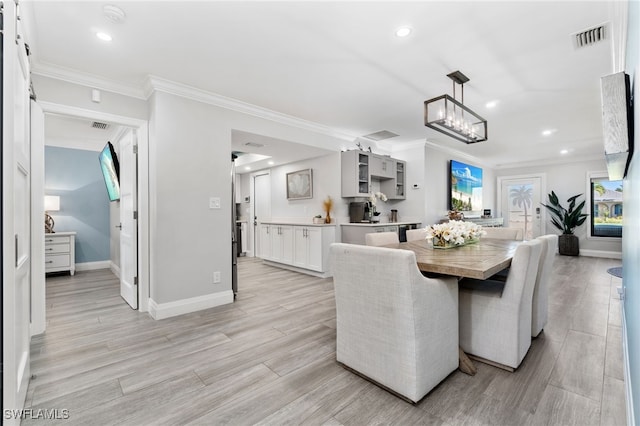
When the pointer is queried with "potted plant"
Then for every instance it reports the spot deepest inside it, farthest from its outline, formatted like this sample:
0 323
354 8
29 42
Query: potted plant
567 220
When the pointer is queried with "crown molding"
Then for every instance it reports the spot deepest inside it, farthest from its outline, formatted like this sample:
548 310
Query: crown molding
158 84
458 154
551 161
85 79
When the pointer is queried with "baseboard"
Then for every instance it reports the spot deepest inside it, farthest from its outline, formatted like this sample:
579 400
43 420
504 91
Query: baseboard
90 266
627 371
115 269
296 269
601 253
160 311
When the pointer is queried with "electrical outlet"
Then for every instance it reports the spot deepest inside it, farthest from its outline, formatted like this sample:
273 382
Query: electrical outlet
216 277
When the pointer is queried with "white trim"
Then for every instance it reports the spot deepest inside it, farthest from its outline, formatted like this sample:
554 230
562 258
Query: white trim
57 72
115 269
153 83
326 274
456 153
142 128
92 266
180 307
38 300
601 253
627 369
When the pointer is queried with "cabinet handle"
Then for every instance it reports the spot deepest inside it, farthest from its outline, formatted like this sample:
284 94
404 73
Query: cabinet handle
49 248
48 240
267 229
49 261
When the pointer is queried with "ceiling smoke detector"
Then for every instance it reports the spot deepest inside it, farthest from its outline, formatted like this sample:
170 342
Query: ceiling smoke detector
113 14
99 125
590 36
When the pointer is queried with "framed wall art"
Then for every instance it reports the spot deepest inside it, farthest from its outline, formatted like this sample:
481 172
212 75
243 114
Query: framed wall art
300 185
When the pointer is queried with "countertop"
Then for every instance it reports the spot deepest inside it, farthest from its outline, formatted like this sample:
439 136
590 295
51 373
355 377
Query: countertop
296 224
374 224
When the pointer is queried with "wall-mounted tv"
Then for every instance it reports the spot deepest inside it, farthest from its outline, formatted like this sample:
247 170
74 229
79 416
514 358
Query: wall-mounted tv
465 183
110 171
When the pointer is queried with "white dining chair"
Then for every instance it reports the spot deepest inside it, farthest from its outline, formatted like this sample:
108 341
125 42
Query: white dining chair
503 233
393 326
381 238
495 316
540 303
416 234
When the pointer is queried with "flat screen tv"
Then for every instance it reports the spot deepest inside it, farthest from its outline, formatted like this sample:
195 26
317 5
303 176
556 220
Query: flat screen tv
466 187
110 171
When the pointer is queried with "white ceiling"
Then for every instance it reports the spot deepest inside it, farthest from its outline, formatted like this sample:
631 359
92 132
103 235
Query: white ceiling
340 64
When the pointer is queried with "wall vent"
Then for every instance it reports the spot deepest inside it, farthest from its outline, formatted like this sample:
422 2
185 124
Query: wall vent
254 144
590 37
99 125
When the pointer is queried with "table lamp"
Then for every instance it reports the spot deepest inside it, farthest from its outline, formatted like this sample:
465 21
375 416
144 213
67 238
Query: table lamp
51 204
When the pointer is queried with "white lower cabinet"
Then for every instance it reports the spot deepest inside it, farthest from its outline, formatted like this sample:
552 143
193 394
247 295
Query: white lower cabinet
300 246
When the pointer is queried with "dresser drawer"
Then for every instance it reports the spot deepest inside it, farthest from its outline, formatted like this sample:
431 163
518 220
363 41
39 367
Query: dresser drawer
57 261
56 248
64 239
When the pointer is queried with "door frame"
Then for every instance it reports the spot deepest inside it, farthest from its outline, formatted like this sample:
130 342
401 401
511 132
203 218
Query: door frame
252 208
142 128
543 191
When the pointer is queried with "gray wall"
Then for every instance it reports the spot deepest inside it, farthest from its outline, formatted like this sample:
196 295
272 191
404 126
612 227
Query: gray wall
75 176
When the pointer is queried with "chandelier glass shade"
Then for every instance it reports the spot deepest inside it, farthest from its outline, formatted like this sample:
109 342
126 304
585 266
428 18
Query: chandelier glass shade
449 116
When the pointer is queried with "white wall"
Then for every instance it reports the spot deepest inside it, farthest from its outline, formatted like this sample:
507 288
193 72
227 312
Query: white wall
567 180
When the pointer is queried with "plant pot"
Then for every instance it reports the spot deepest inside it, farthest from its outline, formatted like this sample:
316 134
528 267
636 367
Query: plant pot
568 245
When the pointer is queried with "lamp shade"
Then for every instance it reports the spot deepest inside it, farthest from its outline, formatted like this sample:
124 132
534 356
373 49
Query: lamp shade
51 203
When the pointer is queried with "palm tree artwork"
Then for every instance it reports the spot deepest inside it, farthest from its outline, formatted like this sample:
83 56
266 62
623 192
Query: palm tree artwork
523 198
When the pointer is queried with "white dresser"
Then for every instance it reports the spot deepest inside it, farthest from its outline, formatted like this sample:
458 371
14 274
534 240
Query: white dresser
60 252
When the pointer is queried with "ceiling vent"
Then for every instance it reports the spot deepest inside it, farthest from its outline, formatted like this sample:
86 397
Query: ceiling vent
381 135
99 125
590 37
254 144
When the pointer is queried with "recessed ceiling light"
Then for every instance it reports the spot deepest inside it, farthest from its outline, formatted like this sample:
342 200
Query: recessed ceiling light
104 36
491 104
548 132
271 163
247 168
564 151
403 31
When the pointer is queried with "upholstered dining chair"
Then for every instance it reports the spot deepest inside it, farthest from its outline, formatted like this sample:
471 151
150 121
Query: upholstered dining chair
503 233
540 304
393 326
416 234
381 238
495 316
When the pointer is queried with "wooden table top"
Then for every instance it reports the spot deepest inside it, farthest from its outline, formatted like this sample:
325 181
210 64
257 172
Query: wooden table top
479 260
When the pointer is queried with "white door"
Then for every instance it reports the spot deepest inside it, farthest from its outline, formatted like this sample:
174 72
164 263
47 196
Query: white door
261 208
128 220
520 199
16 207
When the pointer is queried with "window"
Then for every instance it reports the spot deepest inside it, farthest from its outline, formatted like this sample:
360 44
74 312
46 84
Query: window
605 216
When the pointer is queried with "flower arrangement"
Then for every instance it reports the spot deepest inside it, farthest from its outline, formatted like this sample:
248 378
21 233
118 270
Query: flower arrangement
327 205
374 196
454 233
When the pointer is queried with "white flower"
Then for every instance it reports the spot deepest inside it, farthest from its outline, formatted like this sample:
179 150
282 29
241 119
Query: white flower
374 196
455 231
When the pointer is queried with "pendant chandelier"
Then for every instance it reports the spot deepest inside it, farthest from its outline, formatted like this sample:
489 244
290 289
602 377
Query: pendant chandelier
449 116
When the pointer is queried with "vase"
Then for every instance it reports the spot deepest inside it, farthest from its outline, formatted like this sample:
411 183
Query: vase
441 243
568 245
327 219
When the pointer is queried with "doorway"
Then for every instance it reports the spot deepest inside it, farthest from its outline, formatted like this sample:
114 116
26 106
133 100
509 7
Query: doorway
519 199
261 196
137 135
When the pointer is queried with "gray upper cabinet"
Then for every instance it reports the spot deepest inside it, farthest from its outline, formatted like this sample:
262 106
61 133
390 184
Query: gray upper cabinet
360 168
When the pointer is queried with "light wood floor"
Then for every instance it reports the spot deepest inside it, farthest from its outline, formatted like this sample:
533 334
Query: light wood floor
270 359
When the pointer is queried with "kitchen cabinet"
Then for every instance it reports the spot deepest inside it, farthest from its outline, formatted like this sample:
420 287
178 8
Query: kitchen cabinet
359 169
60 252
281 243
304 248
381 166
264 239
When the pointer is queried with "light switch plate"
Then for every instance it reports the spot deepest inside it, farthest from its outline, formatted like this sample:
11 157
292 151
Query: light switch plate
214 202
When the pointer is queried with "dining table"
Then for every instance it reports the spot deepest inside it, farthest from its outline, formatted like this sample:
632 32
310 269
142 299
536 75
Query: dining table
480 260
